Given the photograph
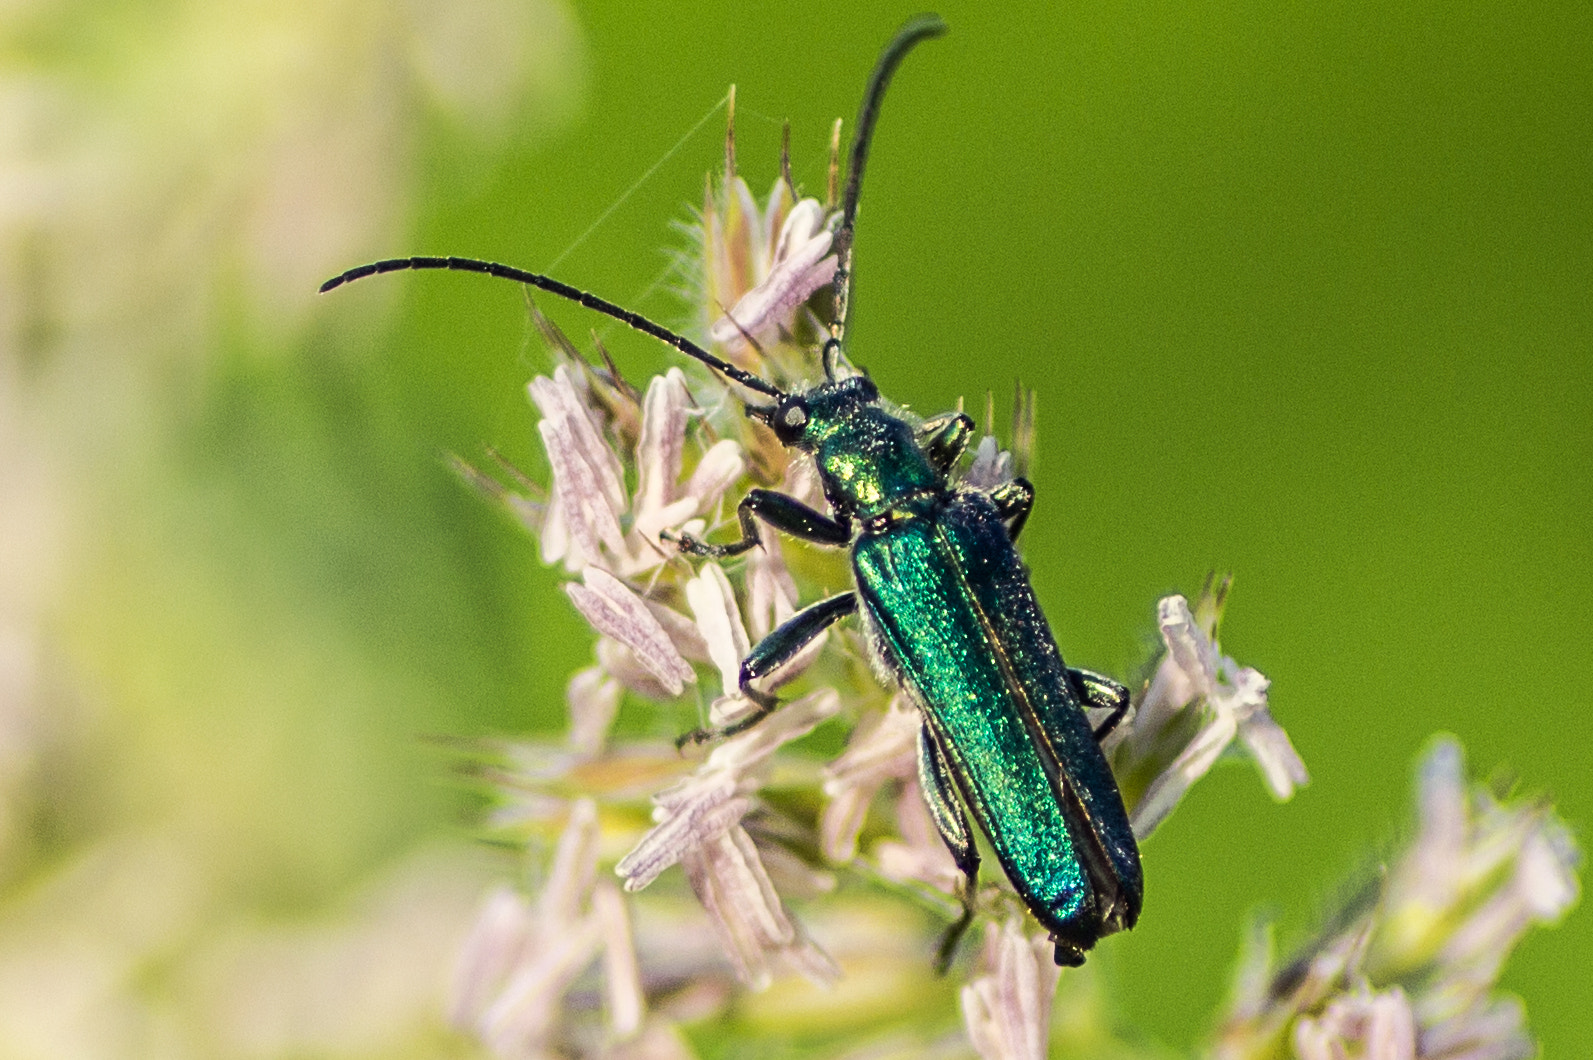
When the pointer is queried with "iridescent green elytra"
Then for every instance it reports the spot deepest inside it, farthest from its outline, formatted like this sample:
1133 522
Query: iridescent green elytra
945 601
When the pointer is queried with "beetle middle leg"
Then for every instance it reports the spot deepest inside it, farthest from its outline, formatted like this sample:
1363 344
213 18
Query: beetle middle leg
1014 500
786 514
773 652
1099 692
945 437
934 779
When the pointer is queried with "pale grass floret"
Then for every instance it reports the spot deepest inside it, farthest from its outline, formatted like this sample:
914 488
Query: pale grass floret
698 823
1232 699
1478 876
522 957
917 853
771 591
616 611
1413 972
713 605
1006 1007
582 523
592 698
718 794
1408 977
883 749
1361 1025
588 495
728 877
662 501
802 264
991 465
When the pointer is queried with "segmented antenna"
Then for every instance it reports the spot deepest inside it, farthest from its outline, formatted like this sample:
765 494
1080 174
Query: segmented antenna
563 290
921 28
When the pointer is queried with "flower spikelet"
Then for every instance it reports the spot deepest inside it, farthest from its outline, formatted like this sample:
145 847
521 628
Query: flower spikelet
1410 970
1007 1006
760 827
523 956
1197 703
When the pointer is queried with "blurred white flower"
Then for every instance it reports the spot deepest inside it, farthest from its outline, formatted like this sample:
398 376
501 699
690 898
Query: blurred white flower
1360 1024
1411 971
523 957
1007 1006
174 181
150 171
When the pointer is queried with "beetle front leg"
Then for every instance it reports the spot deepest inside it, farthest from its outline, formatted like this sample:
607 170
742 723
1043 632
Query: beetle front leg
773 652
1014 500
1099 692
786 514
934 779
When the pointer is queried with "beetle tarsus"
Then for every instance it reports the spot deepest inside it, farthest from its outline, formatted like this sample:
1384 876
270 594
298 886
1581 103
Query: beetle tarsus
946 952
786 514
1066 954
692 546
1099 692
1014 500
765 705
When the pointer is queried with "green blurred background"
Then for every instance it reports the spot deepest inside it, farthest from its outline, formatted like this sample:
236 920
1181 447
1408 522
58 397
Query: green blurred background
1304 290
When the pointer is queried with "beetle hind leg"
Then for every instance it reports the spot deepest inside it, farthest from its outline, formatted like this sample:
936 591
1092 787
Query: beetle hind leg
934 778
947 950
1098 692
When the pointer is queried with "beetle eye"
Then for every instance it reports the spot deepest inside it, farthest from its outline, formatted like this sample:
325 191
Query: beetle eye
788 421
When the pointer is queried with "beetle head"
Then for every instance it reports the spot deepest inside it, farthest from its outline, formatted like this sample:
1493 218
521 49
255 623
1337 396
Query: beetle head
802 419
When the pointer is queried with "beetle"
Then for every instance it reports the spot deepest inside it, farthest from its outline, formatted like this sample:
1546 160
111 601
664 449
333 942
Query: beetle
945 603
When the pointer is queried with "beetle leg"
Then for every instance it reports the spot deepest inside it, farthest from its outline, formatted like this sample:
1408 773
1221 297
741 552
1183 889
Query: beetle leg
794 634
773 652
1066 954
944 438
1099 692
934 779
786 514
1013 501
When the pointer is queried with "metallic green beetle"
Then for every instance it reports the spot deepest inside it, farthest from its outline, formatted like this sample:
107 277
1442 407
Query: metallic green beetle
946 604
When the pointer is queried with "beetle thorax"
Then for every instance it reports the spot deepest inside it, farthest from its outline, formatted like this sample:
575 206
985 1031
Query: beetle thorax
868 457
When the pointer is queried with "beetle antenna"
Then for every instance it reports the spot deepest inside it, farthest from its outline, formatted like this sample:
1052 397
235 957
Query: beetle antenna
563 290
920 28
